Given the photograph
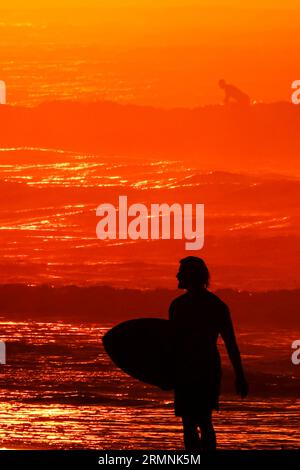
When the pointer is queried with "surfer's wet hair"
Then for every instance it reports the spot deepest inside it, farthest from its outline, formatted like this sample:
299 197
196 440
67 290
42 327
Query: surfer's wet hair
198 268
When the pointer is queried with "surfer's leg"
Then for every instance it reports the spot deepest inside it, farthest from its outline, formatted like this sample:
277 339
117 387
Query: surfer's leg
208 435
190 433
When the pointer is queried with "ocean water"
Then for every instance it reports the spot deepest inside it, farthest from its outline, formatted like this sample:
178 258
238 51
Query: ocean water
48 202
59 390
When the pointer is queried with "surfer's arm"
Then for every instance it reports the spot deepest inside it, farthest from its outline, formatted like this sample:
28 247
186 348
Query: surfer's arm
228 336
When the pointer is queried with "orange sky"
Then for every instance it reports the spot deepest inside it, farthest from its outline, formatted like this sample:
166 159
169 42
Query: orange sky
178 48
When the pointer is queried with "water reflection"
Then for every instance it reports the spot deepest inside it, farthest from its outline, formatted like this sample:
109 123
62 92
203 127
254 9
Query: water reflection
59 390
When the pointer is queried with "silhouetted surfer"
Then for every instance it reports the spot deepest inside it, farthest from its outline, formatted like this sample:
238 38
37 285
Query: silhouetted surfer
233 93
197 318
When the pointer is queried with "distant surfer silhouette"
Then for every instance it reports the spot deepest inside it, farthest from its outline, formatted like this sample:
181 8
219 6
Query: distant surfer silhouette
234 94
197 318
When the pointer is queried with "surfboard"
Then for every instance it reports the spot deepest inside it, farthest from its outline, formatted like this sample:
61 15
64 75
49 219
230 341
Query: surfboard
141 348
